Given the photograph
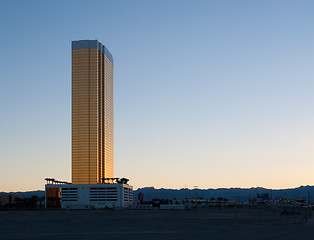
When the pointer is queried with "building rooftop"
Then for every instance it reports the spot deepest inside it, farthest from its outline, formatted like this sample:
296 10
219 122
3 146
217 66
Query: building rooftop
92 44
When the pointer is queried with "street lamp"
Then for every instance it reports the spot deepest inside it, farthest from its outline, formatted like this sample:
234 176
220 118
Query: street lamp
195 191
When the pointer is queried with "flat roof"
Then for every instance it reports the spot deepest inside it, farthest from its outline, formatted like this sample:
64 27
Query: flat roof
92 44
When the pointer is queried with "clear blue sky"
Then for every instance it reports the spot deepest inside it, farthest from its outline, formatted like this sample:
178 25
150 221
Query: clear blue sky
207 93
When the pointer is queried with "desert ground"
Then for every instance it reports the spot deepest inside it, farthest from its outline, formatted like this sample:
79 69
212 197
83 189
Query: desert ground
242 224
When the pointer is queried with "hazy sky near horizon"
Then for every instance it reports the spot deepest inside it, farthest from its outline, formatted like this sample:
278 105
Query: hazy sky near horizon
207 93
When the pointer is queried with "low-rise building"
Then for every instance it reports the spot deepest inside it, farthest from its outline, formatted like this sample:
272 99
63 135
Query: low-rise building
10 198
88 196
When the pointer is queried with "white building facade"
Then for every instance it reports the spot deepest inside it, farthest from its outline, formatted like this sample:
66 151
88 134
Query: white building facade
89 196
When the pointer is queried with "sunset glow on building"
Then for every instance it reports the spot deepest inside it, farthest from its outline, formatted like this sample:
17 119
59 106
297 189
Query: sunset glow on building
92 112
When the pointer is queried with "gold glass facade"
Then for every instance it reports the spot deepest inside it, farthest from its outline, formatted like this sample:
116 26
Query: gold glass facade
53 197
92 112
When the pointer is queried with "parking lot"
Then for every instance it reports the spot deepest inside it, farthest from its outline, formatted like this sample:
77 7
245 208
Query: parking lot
154 224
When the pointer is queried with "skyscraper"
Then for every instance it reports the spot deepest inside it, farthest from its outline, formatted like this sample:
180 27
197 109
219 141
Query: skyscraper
92 136
92 112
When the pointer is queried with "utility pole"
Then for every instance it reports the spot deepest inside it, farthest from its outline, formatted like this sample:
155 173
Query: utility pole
195 191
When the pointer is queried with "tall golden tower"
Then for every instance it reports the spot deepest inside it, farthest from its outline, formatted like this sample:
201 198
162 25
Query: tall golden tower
92 112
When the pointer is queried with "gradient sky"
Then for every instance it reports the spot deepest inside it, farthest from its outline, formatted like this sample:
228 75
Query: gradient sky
207 93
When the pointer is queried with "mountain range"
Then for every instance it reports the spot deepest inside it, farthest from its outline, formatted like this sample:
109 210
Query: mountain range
240 194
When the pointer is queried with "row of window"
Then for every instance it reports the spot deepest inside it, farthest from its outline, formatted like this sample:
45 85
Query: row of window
100 200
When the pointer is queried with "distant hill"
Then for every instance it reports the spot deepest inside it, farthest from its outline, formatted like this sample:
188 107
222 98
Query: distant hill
239 194
29 194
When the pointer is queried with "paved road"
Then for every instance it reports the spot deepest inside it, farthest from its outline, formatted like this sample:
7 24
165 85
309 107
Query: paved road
152 224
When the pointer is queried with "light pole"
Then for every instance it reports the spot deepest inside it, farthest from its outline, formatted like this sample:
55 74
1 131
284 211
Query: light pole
195 191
